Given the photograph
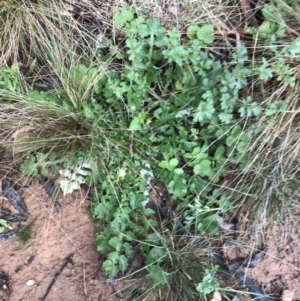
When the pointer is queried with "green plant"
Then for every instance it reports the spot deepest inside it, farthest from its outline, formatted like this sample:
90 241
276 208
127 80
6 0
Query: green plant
191 139
209 283
36 164
193 121
9 78
217 125
179 114
173 267
75 175
24 234
3 225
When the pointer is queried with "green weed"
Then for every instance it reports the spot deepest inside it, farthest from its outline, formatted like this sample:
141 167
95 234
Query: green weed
3 225
173 102
24 234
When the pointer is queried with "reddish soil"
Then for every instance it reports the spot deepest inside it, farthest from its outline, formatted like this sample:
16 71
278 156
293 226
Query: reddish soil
280 269
54 237
278 272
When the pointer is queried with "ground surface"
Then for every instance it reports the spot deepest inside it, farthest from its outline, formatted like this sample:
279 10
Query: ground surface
54 237
280 269
278 272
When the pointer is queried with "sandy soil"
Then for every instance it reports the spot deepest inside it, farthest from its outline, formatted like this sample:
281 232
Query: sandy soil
55 236
280 269
278 272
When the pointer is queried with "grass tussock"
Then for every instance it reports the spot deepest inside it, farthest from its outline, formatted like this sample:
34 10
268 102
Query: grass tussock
268 184
31 123
31 29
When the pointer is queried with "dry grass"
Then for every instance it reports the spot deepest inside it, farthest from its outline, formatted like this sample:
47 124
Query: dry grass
45 41
31 123
30 29
267 186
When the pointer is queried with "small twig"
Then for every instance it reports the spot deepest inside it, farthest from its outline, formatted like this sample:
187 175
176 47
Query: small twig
30 260
52 192
13 218
9 234
249 13
69 259
120 297
100 261
13 197
136 260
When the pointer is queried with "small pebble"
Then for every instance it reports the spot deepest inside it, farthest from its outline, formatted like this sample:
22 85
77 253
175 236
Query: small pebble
287 295
111 282
175 10
216 296
30 283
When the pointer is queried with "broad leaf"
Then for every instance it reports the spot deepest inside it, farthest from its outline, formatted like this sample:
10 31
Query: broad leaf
191 31
206 34
115 242
203 168
173 163
110 268
122 17
157 275
123 263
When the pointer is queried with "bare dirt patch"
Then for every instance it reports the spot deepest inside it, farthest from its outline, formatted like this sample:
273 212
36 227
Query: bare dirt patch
55 236
278 272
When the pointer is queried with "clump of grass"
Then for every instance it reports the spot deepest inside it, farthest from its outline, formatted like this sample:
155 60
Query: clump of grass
45 108
21 24
24 234
27 28
179 264
59 129
267 186
174 278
